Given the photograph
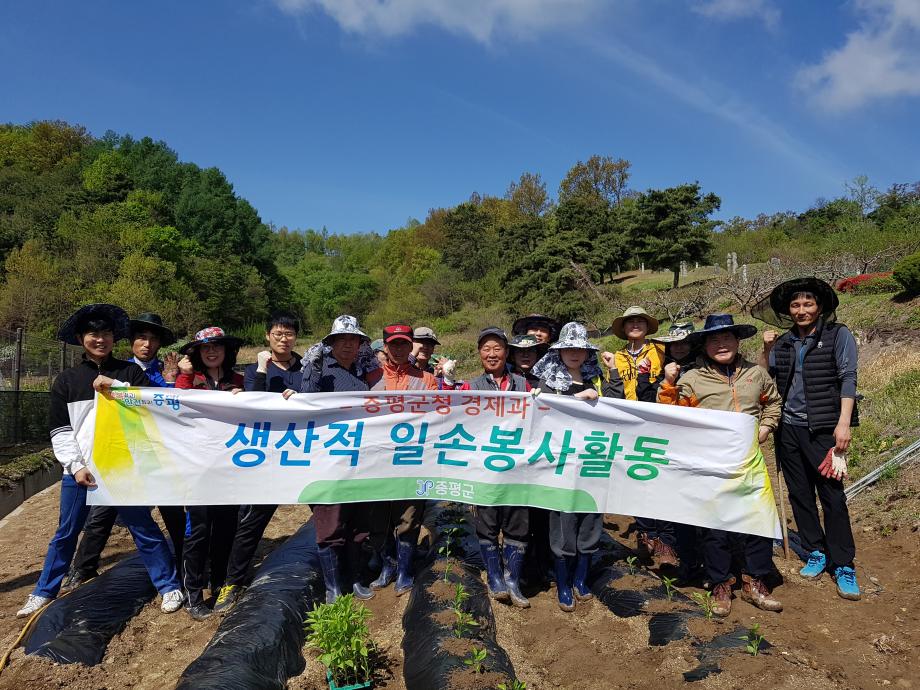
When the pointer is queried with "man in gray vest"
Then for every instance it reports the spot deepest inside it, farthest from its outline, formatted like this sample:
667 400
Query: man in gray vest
510 521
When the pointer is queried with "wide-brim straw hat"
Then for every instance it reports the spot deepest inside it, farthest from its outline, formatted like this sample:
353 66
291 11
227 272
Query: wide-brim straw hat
110 312
630 313
574 335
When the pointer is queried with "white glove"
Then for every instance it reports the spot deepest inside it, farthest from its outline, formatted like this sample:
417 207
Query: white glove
535 392
839 465
262 360
447 367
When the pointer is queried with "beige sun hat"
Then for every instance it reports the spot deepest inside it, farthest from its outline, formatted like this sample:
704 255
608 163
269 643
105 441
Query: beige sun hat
630 313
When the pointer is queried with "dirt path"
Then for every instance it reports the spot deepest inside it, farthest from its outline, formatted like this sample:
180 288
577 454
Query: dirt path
819 640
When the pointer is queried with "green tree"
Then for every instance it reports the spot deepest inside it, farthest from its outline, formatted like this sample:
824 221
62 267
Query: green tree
470 243
671 225
528 196
600 177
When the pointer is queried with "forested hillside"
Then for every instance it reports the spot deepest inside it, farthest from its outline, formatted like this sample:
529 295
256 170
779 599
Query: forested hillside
120 219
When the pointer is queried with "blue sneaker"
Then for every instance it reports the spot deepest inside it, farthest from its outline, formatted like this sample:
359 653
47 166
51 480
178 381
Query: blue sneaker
847 586
817 562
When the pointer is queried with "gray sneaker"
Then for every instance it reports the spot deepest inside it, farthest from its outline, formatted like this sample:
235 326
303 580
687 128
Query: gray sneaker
33 604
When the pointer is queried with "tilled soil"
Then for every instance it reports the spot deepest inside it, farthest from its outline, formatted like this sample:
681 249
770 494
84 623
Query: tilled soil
818 641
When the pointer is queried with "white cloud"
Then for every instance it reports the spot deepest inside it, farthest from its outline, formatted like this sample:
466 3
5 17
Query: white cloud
479 19
881 59
728 10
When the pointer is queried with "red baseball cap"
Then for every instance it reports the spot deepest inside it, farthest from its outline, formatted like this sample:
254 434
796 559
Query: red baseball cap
397 331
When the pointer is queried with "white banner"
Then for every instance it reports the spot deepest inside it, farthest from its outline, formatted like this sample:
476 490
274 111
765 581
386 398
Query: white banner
154 446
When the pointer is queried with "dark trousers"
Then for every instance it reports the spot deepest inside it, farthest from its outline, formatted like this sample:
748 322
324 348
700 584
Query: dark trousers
512 521
207 549
800 451
717 554
658 529
574 533
400 518
249 530
98 529
347 523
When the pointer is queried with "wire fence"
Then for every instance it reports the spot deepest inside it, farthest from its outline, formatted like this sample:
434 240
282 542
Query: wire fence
28 366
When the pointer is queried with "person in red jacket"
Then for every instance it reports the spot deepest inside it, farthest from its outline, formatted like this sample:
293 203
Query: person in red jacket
208 365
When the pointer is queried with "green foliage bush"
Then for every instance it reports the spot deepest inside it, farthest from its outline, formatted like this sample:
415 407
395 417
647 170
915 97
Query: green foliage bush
877 286
907 273
339 631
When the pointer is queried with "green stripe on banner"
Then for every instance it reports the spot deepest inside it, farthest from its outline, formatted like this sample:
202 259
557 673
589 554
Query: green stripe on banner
484 494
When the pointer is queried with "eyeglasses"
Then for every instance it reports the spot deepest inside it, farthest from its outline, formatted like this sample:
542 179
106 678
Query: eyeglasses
283 335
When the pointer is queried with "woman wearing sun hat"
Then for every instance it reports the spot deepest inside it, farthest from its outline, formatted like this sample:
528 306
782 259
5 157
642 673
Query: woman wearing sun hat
207 364
570 368
814 364
639 354
726 381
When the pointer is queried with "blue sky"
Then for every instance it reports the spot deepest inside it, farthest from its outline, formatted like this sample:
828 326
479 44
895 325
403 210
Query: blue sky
359 114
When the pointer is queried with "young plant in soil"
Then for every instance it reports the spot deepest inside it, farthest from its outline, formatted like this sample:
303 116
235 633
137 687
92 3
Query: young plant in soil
631 564
475 659
460 597
339 631
515 685
465 623
704 599
669 587
753 639
447 548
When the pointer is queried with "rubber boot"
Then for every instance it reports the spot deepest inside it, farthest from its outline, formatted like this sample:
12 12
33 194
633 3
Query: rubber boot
329 561
359 571
563 585
579 580
388 565
493 561
405 554
513 555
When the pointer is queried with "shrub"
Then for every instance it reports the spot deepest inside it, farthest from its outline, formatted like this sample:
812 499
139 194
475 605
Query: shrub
850 284
877 286
907 273
339 630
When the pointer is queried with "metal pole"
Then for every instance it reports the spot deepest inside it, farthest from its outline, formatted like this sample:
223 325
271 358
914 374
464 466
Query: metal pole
63 356
782 511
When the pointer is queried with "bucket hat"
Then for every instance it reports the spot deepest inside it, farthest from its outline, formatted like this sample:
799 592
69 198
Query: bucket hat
630 313
150 321
345 325
720 323
676 333
523 324
573 335
211 334
117 315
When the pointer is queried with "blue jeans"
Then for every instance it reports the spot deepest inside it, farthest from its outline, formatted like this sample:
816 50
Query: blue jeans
148 538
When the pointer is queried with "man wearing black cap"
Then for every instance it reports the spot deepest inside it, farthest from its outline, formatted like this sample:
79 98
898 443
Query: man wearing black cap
147 335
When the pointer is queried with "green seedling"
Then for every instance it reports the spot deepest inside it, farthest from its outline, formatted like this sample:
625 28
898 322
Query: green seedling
460 597
515 685
475 658
631 563
704 599
465 622
447 548
669 587
339 631
753 639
